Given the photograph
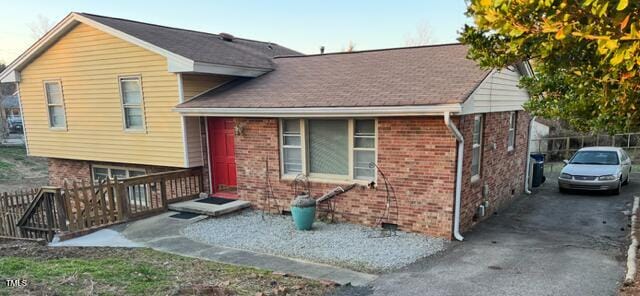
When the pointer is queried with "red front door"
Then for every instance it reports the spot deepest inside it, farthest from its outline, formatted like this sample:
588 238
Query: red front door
222 153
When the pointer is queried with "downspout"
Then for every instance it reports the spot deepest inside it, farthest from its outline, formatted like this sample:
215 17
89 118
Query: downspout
526 174
458 191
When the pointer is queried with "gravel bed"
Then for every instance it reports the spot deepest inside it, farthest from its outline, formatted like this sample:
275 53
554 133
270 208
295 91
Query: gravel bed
348 245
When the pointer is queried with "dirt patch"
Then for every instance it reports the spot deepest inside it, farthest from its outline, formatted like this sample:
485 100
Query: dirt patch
19 171
121 271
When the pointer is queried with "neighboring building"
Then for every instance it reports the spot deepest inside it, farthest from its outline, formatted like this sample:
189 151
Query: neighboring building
539 132
104 97
10 114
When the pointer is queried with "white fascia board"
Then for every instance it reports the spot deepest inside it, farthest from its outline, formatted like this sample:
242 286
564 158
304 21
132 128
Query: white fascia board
11 76
12 72
172 58
324 112
175 63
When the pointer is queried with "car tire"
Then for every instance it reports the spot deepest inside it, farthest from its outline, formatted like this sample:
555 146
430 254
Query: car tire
626 181
563 190
617 190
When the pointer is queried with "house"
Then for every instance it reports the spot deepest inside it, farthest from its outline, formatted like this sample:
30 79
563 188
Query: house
105 97
9 113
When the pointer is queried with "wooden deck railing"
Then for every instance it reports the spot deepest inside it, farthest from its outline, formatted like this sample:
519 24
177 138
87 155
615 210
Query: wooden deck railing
12 208
81 207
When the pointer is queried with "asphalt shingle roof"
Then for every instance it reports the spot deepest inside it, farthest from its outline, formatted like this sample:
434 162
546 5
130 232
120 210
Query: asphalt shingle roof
200 46
425 75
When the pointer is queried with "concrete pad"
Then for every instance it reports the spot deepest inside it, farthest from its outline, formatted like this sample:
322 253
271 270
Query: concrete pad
212 210
100 238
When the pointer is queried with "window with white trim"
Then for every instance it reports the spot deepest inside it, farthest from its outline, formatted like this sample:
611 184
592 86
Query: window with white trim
512 131
342 149
476 154
132 103
100 173
364 149
138 194
291 147
55 104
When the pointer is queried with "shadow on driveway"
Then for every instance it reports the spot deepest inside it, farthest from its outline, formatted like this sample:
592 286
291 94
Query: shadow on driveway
543 244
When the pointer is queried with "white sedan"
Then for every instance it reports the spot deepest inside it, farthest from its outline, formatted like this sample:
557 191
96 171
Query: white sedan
596 168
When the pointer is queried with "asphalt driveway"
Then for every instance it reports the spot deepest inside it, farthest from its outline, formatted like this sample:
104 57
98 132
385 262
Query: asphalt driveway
544 244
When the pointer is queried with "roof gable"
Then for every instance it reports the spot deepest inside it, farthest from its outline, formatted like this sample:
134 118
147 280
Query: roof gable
185 50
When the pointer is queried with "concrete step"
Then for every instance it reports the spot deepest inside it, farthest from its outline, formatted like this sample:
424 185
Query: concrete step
192 206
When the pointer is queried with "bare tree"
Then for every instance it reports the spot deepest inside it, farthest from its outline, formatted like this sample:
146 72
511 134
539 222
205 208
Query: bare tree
40 26
422 36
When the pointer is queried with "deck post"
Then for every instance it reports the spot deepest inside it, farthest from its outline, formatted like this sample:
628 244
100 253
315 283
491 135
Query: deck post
62 210
163 193
123 200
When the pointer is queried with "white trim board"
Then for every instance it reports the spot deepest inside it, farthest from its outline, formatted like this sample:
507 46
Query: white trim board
323 111
175 63
183 124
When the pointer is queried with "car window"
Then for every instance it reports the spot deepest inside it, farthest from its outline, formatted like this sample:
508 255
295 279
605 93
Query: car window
595 157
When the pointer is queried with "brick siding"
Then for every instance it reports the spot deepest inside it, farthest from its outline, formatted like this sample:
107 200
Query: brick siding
61 170
501 170
416 154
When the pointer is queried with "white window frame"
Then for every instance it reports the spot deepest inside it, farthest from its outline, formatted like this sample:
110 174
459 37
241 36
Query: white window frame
124 106
477 118
139 200
328 178
109 168
302 147
49 105
511 136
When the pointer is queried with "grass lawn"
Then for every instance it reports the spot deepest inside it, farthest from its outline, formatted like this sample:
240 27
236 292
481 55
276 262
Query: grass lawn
19 171
117 271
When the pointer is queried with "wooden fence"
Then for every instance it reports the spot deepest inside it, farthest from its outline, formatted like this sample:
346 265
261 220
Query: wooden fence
12 208
559 148
80 207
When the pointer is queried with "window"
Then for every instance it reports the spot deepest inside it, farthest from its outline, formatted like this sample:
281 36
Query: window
100 173
512 131
291 147
329 148
476 158
364 149
138 194
55 104
131 93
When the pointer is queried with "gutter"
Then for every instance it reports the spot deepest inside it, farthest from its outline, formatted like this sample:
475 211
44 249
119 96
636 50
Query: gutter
527 190
458 191
298 112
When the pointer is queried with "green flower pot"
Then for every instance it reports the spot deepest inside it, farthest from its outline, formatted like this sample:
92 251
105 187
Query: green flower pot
303 217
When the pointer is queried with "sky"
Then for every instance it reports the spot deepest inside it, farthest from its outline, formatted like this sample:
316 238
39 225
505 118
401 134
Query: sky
301 25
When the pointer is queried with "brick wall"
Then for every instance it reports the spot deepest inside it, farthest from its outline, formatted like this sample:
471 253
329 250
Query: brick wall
80 170
502 170
416 154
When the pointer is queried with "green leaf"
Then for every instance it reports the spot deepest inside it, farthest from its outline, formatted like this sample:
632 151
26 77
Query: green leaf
617 57
622 5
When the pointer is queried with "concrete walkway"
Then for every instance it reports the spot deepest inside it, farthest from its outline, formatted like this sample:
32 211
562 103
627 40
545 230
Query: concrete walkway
101 238
544 244
163 233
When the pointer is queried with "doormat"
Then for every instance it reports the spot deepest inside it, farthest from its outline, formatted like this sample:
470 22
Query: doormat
185 216
215 200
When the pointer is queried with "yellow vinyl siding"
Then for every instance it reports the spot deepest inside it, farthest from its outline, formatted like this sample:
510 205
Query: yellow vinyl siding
193 85
88 63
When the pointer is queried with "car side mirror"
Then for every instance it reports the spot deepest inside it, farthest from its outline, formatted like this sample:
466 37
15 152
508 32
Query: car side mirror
566 161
